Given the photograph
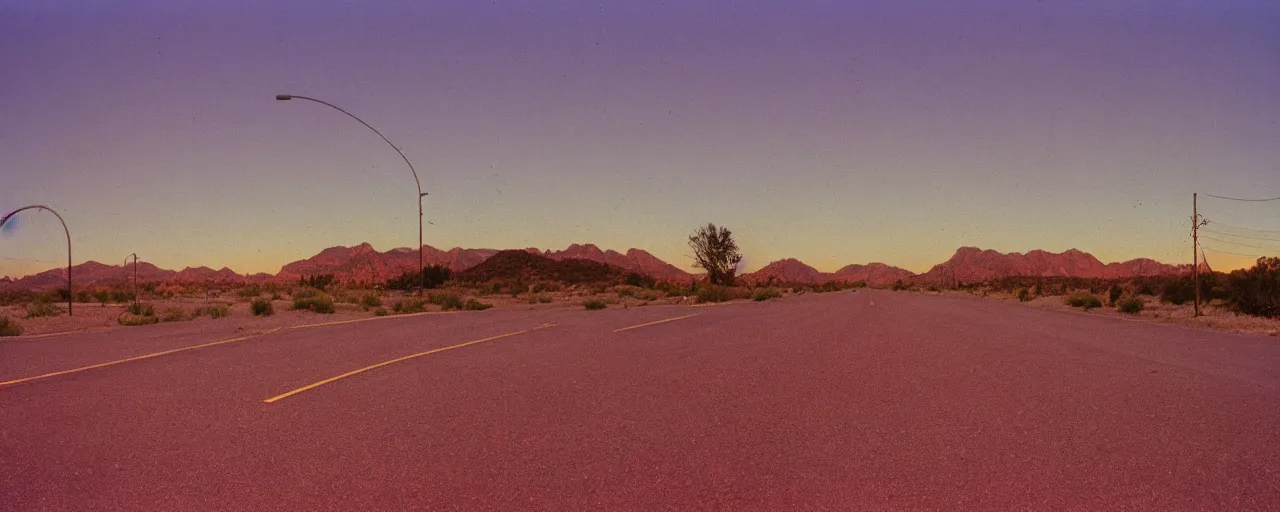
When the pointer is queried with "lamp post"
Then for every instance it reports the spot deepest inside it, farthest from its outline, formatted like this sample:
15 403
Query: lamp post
10 215
421 261
135 274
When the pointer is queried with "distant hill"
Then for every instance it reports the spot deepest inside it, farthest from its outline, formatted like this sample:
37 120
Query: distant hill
974 265
875 274
529 266
635 260
793 271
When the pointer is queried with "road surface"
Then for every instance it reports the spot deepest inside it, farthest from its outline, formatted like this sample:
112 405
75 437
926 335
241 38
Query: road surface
844 401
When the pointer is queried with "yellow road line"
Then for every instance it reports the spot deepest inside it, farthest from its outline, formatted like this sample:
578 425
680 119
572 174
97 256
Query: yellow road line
388 317
396 360
654 323
136 358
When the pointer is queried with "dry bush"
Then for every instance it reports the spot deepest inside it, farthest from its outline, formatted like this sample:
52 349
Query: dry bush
9 327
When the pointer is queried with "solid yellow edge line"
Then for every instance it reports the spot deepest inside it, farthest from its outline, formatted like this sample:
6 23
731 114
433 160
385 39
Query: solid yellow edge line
396 360
654 323
135 358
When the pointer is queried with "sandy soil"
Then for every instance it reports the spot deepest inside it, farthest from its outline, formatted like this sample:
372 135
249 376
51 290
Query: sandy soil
99 317
1213 316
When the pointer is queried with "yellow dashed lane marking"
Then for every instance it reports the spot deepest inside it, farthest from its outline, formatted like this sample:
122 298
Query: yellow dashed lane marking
202 345
397 360
131 359
654 323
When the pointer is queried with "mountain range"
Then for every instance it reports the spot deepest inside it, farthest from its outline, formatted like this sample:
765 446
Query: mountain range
363 264
791 270
973 265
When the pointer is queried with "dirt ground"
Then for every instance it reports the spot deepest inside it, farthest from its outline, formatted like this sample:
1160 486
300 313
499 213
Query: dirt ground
100 317
1212 316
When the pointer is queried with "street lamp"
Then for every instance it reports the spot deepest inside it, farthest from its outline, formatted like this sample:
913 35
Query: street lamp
421 260
10 215
135 274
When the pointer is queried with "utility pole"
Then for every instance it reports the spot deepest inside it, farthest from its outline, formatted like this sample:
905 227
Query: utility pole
1195 249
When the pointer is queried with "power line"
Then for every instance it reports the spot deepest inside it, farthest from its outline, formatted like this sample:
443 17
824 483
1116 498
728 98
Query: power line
1241 236
1232 226
26 259
1242 245
1240 199
1210 249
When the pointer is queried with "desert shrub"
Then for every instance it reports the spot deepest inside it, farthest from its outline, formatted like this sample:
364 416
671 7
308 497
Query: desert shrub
898 285
446 300
436 275
537 298
829 286
370 301
9 327
475 305
319 282
544 286
409 306
380 312
42 308
1114 294
762 294
120 296
1256 291
249 292
132 319
1178 291
174 314
638 279
217 310
594 304
141 309
1023 294
1131 305
1084 300
717 293
312 299
261 307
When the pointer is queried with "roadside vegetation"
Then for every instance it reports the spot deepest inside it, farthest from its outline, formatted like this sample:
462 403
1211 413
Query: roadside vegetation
1131 305
261 307
138 313
9 327
1084 300
312 299
763 294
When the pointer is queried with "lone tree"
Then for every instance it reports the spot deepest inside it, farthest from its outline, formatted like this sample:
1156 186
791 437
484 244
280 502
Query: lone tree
715 251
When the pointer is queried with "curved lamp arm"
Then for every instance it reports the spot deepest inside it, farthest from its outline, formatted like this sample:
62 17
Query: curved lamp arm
286 97
10 215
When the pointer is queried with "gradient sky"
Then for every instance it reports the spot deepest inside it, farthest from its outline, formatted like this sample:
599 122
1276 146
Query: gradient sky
833 132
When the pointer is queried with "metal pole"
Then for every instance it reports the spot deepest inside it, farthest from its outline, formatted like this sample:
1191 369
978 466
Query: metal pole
421 194
1195 251
135 274
422 264
64 230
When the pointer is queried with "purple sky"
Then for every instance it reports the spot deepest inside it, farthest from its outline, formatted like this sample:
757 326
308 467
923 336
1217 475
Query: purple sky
833 132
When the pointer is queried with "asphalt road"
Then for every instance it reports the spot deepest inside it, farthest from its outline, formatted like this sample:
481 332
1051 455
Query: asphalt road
865 400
